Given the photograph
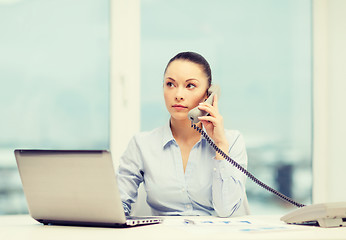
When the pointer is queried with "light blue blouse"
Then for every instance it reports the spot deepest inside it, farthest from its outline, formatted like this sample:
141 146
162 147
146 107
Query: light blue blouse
208 186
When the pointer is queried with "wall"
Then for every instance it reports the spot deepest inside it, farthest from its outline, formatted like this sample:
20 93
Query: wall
337 98
329 72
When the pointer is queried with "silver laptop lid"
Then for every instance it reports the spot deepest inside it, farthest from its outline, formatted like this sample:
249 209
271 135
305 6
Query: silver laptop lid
70 186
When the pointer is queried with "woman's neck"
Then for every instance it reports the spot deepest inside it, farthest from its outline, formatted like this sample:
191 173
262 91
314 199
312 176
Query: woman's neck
182 130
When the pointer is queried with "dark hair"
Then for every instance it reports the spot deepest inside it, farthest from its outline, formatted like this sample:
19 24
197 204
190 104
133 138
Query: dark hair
195 58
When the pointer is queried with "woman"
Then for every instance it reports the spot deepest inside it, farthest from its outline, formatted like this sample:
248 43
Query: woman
181 172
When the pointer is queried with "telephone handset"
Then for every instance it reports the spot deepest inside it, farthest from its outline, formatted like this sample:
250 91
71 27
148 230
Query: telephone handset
195 113
336 216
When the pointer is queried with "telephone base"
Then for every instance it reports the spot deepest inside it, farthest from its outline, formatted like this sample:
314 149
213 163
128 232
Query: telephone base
324 223
336 222
325 215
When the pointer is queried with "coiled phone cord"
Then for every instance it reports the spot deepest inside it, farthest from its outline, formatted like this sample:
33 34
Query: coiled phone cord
243 170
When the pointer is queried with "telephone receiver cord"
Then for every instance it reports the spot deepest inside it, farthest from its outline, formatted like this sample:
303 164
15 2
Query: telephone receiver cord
243 170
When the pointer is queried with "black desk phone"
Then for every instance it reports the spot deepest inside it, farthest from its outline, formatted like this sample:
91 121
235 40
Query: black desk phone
323 215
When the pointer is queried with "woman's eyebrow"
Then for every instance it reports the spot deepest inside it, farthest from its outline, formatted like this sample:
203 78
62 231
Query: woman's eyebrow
169 78
192 79
187 80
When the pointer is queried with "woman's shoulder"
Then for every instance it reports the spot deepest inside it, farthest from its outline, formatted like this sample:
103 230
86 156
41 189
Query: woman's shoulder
233 133
234 136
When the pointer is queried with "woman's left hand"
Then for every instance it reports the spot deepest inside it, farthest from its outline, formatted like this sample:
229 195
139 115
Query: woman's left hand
213 124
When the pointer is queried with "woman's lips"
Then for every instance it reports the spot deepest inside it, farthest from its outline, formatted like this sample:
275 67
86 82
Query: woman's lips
179 107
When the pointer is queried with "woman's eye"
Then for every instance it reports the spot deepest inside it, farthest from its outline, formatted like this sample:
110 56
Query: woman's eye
170 84
190 85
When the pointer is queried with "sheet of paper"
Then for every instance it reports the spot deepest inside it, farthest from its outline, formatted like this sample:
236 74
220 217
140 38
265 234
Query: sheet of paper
209 225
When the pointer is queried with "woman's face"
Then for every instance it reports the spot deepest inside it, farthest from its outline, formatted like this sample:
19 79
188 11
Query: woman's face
185 86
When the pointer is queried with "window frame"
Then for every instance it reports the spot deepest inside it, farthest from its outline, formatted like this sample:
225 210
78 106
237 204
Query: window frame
124 74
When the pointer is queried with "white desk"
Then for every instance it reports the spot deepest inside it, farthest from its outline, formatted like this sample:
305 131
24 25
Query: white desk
248 227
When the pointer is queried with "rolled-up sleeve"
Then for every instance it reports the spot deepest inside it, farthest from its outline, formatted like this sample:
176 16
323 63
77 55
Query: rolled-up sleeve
228 187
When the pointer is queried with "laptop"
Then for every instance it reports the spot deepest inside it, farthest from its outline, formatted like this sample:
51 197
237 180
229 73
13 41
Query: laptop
68 187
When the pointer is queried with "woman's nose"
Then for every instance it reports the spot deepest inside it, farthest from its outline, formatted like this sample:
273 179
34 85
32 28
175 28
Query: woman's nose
179 94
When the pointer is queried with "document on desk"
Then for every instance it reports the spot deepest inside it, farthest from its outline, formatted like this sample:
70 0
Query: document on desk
209 225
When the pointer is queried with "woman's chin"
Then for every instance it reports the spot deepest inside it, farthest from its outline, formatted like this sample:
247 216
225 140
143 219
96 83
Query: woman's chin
179 117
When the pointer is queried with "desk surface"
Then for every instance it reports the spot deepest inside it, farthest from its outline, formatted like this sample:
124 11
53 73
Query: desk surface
247 227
